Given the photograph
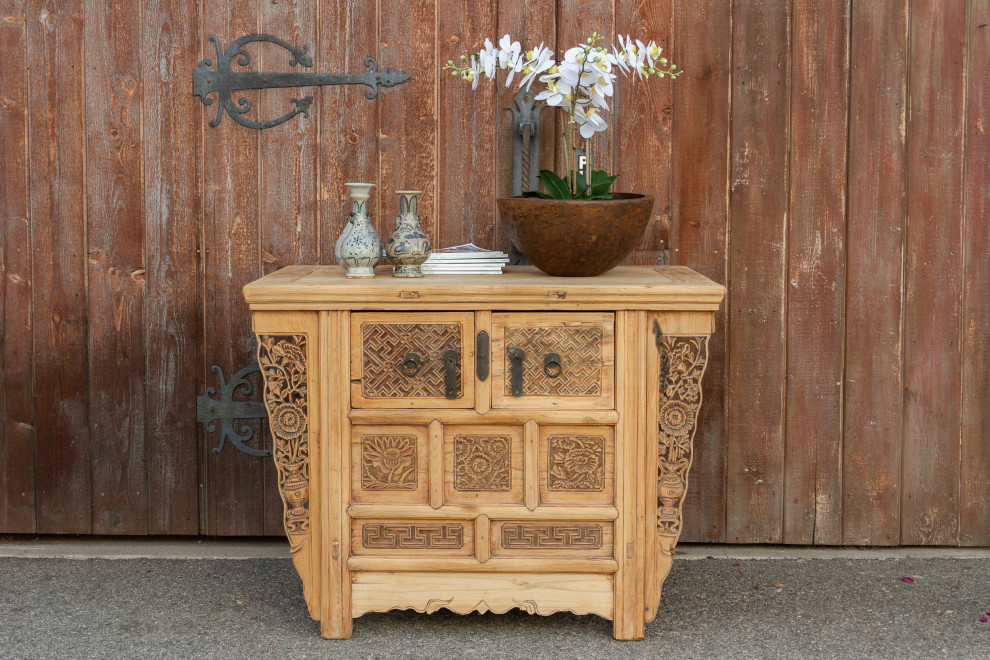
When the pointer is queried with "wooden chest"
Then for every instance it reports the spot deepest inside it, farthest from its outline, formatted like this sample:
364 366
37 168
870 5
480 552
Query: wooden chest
483 442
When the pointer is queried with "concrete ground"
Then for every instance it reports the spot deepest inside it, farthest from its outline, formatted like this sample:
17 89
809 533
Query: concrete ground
188 599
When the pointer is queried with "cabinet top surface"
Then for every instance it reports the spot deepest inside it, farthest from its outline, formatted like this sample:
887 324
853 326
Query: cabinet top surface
519 287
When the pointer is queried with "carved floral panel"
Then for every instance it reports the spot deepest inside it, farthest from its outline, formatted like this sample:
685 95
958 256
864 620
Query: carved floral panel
389 462
576 463
482 462
283 363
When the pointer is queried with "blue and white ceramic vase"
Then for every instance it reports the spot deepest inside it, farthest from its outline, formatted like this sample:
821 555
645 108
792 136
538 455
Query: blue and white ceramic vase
408 246
359 249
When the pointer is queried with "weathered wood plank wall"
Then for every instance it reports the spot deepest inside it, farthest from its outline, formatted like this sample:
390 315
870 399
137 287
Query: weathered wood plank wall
827 159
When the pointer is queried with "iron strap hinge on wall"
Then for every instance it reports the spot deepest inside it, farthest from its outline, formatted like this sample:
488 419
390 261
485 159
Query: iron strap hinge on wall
223 81
225 409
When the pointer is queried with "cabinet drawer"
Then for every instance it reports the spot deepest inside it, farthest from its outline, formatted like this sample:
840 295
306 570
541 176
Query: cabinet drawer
562 360
404 360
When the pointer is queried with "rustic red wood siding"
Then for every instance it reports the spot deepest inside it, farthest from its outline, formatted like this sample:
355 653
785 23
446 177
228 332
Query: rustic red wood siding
828 160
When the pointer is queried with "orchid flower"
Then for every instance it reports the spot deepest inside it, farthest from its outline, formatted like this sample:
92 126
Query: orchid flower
580 83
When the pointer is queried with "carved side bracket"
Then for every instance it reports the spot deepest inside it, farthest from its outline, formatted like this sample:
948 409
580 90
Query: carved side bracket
283 361
682 365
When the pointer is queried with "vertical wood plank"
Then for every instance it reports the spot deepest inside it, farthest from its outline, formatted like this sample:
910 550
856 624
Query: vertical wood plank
115 231
816 273
408 113
576 20
171 136
643 115
58 243
436 464
756 316
699 231
348 122
17 500
466 140
932 330
234 500
872 393
974 478
289 162
530 23
531 472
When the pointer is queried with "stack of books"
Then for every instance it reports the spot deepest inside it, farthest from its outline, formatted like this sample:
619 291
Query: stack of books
467 259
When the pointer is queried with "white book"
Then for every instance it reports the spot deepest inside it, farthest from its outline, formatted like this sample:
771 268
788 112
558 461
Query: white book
466 252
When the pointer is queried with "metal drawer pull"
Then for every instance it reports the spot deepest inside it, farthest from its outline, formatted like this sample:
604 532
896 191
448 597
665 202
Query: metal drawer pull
552 366
411 363
481 355
516 356
451 360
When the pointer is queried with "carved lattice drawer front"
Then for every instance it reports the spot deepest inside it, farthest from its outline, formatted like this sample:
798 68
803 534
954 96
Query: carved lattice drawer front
561 360
540 538
389 464
425 538
577 464
406 359
483 464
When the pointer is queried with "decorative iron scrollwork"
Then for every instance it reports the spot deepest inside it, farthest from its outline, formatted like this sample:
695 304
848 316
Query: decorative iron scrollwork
223 81
225 409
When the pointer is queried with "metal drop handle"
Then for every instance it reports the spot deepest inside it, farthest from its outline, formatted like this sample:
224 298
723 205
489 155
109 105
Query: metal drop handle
411 363
516 357
451 362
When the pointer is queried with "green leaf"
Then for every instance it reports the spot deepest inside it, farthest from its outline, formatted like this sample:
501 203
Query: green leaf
556 187
601 181
536 193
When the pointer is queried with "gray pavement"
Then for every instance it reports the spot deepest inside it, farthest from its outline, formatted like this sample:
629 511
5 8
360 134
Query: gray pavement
238 601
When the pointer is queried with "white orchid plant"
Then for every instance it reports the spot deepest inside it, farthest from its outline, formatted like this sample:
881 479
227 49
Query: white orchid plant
579 84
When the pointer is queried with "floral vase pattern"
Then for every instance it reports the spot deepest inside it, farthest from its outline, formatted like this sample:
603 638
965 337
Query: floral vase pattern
359 249
408 246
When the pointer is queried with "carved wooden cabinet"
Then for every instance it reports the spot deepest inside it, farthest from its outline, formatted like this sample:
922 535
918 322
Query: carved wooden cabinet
483 443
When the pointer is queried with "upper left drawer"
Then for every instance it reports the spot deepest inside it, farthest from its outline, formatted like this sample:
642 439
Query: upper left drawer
412 359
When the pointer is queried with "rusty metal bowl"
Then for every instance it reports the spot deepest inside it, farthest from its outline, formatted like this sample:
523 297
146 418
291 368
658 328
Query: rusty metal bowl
576 238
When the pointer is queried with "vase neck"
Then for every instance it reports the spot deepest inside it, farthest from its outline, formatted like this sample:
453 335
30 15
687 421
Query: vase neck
408 203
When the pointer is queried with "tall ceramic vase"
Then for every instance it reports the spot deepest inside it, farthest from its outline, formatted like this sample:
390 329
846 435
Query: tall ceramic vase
359 249
408 246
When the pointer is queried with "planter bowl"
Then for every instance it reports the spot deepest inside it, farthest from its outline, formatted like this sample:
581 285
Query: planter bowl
576 238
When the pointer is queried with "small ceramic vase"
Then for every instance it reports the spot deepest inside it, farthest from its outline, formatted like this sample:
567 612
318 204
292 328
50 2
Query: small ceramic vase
408 246
359 249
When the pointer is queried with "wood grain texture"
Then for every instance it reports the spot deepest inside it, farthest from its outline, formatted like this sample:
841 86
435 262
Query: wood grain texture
872 392
172 203
643 117
407 119
531 22
816 273
234 502
974 477
17 498
757 265
465 208
58 254
289 159
348 122
576 20
933 249
699 231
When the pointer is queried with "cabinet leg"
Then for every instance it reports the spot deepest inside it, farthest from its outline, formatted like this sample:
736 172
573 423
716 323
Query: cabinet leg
336 628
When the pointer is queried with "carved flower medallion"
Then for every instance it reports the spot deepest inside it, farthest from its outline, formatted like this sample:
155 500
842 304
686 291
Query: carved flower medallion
676 418
288 421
